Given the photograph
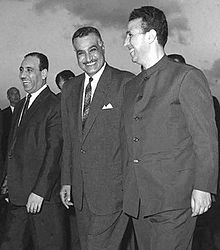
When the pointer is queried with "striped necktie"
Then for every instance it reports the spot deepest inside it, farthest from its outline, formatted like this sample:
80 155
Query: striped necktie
87 101
25 108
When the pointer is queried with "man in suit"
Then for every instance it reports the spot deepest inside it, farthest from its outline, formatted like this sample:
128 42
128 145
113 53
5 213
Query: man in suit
92 168
33 170
14 97
169 139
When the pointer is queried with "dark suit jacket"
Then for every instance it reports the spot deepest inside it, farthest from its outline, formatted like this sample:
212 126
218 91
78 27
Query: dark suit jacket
35 149
6 125
1 155
170 138
92 161
217 120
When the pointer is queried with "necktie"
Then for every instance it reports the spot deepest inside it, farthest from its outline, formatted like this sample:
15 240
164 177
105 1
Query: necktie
25 108
87 101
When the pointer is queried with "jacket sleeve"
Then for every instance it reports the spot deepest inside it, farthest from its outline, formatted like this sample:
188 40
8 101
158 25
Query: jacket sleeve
66 157
197 105
49 173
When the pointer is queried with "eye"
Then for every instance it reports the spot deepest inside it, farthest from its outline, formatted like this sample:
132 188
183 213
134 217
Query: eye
29 70
93 50
129 35
79 53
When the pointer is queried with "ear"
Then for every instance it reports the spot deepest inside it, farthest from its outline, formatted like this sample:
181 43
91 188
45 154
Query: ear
152 35
101 44
44 73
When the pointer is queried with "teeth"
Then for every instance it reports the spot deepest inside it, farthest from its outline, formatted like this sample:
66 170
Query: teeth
25 83
90 64
131 51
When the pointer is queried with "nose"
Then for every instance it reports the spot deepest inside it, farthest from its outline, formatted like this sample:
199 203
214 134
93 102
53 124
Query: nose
88 57
126 41
22 74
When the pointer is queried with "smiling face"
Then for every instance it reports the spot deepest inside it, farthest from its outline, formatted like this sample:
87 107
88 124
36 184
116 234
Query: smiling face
90 53
30 75
135 41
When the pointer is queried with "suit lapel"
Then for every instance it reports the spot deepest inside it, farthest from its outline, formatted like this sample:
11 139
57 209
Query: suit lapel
99 99
14 124
35 105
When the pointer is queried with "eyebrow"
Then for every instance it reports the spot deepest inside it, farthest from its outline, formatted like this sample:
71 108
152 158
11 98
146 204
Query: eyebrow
93 46
28 67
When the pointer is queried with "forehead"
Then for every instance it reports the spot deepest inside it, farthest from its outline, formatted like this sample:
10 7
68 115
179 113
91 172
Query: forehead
85 42
30 61
135 24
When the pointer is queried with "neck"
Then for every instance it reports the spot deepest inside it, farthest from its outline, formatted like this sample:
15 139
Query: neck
154 56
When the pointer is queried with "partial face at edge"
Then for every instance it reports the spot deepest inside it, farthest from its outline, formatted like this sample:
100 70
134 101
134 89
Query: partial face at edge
14 96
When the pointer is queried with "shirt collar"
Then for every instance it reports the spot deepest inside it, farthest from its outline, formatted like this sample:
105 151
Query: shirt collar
12 108
35 94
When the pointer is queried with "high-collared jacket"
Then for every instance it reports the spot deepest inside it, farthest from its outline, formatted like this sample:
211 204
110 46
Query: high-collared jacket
169 138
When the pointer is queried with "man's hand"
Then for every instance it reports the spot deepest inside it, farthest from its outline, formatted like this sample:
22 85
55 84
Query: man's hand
65 195
200 202
34 203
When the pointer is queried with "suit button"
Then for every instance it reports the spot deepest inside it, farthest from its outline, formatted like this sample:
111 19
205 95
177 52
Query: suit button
82 151
137 118
136 161
135 139
10 155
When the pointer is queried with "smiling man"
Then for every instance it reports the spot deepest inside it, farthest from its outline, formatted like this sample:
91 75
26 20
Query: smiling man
92 166
169 139
33 171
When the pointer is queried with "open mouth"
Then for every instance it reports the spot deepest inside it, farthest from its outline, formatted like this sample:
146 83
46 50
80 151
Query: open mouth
90 64
25 83
131 51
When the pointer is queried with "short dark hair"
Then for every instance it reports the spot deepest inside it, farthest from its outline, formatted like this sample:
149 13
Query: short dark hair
85 31
12 88
65 75
152 18
177 58
44 63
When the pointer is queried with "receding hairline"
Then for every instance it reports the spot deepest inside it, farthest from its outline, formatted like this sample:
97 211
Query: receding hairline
90 34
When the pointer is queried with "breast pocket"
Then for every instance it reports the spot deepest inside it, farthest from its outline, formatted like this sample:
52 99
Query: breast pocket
110 118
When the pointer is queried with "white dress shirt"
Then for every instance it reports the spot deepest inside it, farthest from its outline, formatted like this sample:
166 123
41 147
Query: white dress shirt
94 83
